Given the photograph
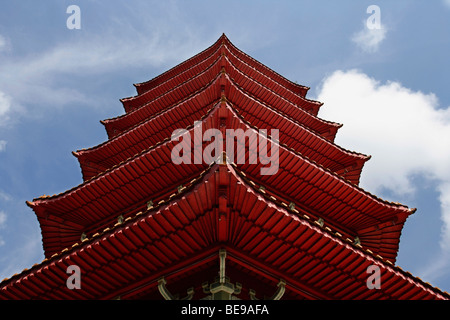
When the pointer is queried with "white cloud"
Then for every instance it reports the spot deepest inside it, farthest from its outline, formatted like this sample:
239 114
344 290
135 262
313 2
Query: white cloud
369 40
126 36
404 131
444 189
40 76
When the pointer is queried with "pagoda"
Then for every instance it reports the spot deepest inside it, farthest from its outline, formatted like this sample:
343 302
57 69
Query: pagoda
142 225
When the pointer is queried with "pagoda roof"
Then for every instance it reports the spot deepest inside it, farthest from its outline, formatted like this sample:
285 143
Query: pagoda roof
222 42
152 101
161 125
127 187
138 101
180 236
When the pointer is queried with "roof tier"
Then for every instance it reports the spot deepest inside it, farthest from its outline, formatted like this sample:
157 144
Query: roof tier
138 101
152 174
179 239
161 125
188 83
222 42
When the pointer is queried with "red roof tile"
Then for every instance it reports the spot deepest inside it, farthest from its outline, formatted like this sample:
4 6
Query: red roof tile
182 234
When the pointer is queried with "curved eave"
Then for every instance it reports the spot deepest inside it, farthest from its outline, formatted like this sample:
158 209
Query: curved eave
135 181
260 231
115 126
160 126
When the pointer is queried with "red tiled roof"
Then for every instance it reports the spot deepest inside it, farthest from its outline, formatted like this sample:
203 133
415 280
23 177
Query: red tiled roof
146 104
126 188
181 234
223 42
160 126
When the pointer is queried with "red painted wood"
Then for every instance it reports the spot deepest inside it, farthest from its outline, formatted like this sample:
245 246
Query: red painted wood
315 262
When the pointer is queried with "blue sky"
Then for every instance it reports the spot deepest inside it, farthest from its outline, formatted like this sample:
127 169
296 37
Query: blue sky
388 86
